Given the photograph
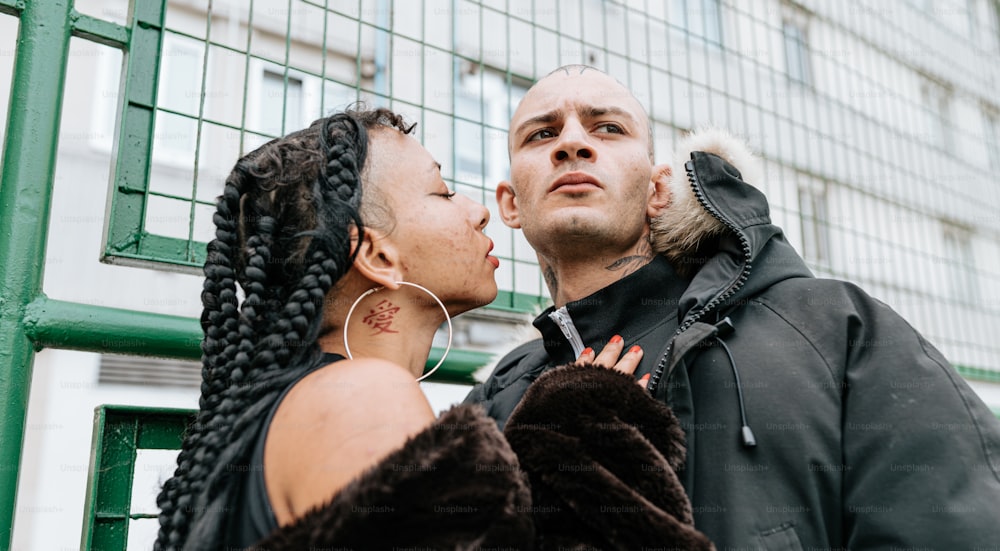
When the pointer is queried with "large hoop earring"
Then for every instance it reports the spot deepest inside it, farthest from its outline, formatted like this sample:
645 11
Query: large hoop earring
374 290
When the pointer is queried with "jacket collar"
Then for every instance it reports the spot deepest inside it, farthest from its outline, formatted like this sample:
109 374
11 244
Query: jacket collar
717 229
629 307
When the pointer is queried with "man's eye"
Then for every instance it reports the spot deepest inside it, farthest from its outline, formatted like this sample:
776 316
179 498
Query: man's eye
447 195
542 134
610 128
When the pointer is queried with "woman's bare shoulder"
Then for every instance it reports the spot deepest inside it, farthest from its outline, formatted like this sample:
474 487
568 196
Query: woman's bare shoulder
334 424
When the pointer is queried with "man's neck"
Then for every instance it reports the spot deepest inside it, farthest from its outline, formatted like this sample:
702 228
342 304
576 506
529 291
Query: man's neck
573 278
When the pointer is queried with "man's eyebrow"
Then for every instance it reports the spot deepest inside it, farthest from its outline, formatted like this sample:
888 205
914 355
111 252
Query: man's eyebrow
593 112
544 118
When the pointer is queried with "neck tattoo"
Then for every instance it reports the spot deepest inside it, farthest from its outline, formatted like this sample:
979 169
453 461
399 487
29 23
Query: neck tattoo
550 279
628 264
380 317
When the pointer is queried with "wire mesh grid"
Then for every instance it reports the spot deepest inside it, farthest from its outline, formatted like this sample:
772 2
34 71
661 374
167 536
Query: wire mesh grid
876 121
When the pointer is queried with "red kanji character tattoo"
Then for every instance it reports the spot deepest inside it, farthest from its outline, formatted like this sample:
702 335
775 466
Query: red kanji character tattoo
380 317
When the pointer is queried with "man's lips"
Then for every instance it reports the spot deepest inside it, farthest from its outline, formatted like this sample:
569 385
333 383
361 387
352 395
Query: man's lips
574 182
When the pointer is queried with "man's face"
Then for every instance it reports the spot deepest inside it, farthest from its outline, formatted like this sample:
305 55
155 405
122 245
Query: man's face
581 173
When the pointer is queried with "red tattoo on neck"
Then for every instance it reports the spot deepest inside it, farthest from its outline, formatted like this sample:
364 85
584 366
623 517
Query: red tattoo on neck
380 317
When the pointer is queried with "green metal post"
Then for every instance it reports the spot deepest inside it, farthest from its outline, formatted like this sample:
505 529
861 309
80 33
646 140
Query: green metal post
29 160
73 326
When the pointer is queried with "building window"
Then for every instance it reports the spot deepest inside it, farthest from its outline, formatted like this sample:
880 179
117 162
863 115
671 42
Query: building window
972 18
281 100
178 99
994 23
961 268
991 138
796 52
281 103
698 18
484 103
937 109
471 162
815 233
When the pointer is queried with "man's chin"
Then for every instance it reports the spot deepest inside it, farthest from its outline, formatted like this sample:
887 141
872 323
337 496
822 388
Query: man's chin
575 222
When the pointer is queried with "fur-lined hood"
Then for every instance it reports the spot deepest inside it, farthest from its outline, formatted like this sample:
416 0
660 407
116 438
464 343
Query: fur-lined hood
685 225
717 228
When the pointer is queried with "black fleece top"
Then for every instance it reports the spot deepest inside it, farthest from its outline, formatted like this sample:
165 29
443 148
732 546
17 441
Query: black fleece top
641 307
636 306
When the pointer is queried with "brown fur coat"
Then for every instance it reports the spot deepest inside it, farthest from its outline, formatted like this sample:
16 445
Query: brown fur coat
587 463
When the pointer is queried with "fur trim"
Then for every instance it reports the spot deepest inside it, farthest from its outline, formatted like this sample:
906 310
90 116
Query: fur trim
455 485
601 455
679 232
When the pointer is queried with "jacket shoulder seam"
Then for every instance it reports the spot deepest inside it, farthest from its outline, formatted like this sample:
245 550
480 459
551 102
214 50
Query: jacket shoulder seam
965 403
829 368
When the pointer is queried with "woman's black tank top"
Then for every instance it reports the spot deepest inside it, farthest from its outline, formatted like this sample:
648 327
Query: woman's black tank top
253 517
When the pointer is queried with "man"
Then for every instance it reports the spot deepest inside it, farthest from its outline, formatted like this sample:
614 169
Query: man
815 417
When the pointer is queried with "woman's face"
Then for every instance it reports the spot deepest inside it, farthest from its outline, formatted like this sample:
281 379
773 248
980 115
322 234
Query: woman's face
438 233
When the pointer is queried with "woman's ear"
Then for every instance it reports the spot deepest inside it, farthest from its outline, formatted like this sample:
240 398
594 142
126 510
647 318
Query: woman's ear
377 258
659 190
507 205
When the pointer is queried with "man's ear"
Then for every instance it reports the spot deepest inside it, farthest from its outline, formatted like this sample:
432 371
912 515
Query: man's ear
659 190
377 258
507 205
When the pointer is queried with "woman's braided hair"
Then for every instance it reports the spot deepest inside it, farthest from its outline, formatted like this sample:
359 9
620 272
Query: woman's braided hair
283 226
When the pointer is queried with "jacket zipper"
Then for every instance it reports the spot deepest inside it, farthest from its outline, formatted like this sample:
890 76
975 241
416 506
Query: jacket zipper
565 323
733 287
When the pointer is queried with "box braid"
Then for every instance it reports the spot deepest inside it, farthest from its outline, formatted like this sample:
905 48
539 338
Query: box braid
283 226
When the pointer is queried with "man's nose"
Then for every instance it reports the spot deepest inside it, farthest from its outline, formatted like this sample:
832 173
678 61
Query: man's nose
574 143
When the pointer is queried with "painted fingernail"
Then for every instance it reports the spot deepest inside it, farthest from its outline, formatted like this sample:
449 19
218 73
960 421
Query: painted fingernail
587 351
635 349
616 339
644 378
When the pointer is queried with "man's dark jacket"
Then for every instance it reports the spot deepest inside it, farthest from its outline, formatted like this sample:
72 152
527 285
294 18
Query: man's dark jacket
858 433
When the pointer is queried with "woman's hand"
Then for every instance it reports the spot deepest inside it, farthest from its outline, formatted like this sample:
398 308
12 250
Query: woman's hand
609 357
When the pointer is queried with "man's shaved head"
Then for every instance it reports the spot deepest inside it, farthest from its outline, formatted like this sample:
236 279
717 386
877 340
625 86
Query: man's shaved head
587 71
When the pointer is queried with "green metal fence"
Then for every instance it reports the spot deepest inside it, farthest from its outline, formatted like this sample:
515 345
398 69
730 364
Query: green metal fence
877 122
119 432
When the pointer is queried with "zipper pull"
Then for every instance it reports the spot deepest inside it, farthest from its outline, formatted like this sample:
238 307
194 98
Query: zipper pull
565 323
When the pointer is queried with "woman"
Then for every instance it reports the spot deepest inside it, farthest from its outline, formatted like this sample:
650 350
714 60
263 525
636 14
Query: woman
351 251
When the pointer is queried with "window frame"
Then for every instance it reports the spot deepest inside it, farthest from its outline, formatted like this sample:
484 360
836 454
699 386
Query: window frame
679 15
960 264
800 45
814 224
936 100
